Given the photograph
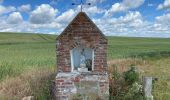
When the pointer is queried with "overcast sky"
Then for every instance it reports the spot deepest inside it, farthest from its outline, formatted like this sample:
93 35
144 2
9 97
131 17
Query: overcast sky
140 18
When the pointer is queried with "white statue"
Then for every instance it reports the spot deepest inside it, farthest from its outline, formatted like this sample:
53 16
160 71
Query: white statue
82 67
82 59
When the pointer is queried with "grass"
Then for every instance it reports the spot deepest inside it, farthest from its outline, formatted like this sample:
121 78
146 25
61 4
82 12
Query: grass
157 68
27 52
20 55
35 82
124 47
29 59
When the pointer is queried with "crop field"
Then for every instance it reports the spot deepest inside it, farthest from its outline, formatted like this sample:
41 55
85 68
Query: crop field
28 63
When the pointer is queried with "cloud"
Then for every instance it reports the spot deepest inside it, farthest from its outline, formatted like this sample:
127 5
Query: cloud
123 25
5 10
164 18
52 25
94 10
43 14
20 27
131 19
133 24
134 19
14 22
159 28
117 7
124 6
66 16
165 5
135 4
15 18
24 8
162 24
90 10
95 1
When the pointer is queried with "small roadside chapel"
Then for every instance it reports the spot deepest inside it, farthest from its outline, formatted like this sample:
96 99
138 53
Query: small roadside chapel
81 47
81 62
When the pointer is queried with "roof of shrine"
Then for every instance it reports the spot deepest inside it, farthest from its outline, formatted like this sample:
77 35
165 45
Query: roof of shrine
82 19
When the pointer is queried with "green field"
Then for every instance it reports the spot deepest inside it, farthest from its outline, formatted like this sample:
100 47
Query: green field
23 57
122 46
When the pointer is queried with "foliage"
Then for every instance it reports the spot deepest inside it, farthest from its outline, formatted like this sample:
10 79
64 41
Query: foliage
134 92
125 86
115 74
131 76
77 96
41 87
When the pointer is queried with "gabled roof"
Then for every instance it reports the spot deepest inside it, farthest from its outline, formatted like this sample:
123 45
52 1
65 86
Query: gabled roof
79 15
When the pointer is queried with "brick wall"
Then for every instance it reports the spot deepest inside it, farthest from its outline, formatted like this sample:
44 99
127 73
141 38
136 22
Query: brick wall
92 86
81 31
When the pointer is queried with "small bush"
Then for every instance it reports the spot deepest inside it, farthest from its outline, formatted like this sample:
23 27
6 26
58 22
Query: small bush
131 76
125 86
134 92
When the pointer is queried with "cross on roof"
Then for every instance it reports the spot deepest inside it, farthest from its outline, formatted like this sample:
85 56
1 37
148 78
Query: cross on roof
81 4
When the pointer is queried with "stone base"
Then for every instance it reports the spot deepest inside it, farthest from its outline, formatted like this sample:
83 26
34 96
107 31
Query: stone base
81 86
83 69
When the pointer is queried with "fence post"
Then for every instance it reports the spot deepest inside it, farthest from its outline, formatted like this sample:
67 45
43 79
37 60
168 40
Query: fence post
147 85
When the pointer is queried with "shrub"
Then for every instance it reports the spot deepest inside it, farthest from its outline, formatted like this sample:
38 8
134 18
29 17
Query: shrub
125 86
134 92
131 76
116 81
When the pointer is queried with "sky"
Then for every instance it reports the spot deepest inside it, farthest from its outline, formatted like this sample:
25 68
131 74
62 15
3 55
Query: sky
133 18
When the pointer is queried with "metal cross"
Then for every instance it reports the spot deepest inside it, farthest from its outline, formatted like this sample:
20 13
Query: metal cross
81 4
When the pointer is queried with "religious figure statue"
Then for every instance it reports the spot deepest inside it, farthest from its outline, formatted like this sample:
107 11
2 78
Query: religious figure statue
82 59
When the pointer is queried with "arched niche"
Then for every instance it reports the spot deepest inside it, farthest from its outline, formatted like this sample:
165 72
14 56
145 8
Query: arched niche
76 56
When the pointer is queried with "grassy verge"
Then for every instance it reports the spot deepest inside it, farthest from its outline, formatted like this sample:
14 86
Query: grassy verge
35 83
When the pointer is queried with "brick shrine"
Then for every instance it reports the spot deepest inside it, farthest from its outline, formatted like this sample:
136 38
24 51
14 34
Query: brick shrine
81 62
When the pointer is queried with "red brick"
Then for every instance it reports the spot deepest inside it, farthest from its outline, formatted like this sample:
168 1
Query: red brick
89 36
59 81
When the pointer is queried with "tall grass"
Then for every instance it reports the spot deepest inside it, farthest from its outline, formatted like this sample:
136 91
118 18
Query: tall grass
15 59
21 52
27 63
35 82
156 68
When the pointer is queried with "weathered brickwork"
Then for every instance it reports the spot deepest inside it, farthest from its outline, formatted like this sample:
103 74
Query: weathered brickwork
92 85
81 31
68 84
